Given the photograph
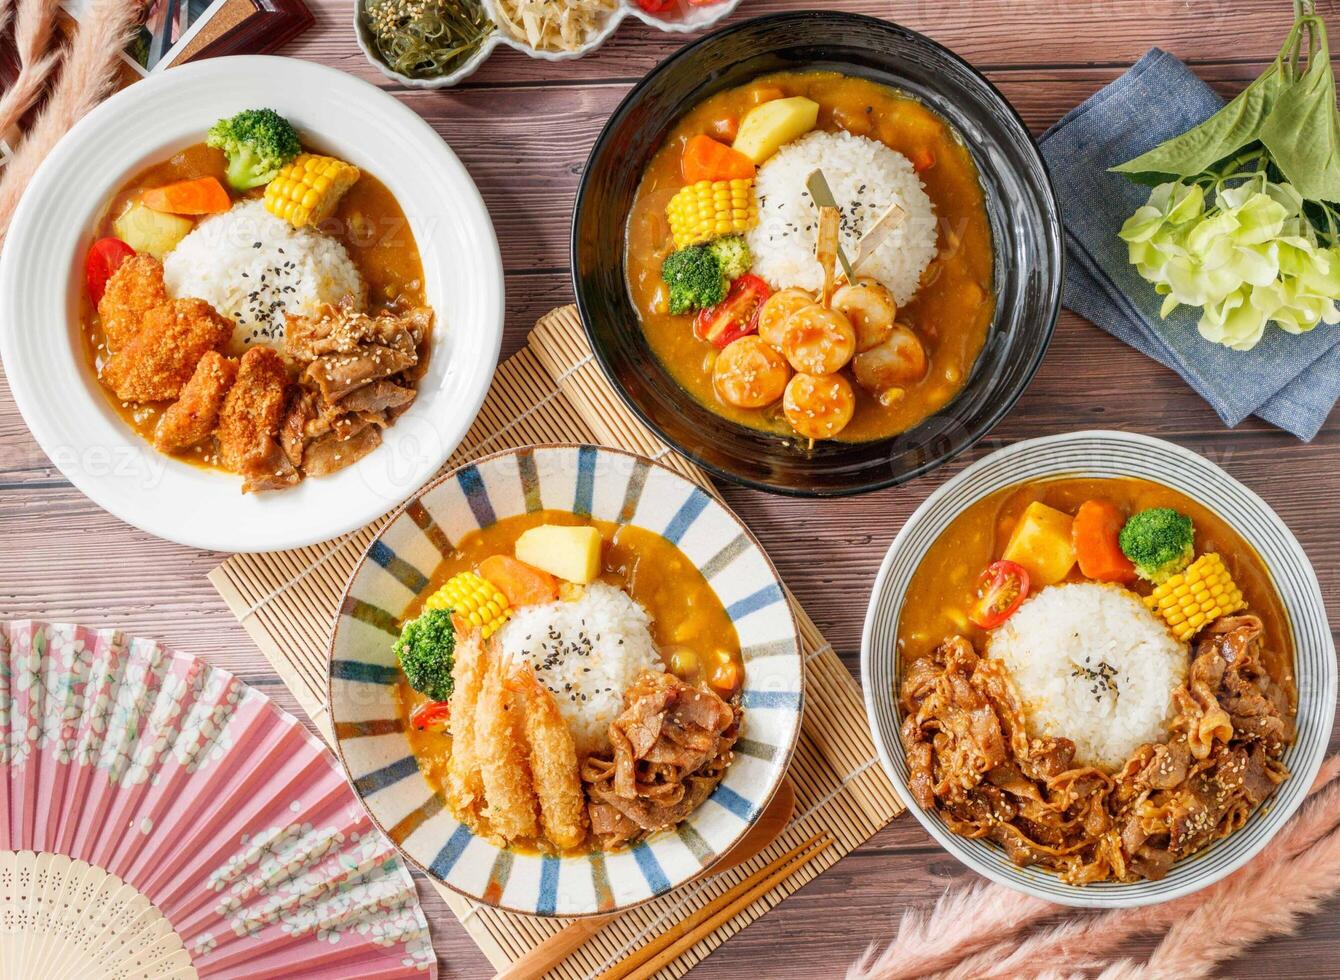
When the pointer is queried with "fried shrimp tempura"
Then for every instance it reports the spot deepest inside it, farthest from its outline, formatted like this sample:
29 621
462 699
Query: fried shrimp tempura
553 761
509 792
465 787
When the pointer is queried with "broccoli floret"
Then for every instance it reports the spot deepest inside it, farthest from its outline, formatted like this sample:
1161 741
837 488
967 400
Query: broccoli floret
732 252
258 142
694 277
1159 542
426 651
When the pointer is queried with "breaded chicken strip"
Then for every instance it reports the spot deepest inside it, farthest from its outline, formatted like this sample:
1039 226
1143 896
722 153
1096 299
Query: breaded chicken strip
249 419
192 417
157 362
465 787
553 761
134 289
509 793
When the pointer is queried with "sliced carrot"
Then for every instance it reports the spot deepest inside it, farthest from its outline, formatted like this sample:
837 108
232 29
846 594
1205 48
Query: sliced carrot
726 128
765 93
923 158
1094 535
522 584
204 195
706 159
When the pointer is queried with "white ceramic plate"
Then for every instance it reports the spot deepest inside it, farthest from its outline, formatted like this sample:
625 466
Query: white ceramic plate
41 278
1111 454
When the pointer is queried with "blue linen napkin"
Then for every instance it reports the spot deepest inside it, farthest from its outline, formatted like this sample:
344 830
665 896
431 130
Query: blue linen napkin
1290 381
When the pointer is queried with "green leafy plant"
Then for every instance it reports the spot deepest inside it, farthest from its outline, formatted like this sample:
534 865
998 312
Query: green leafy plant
1242 222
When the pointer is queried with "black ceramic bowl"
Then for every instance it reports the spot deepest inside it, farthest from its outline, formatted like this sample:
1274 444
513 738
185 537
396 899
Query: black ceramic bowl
1020 203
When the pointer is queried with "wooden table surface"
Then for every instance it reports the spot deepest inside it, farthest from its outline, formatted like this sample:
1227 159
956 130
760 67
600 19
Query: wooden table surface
523 128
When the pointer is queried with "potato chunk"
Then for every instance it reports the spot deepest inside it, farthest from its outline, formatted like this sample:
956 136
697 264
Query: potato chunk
770 125
571 553
1041 544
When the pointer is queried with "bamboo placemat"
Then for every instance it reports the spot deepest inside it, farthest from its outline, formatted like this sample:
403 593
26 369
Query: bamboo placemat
553 391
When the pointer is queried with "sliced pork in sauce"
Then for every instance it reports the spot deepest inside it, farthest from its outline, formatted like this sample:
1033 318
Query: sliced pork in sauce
671 747
971 759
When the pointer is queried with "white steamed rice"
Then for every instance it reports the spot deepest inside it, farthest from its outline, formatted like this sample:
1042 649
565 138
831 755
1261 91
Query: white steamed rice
255 268
866 177
586 653
1093 665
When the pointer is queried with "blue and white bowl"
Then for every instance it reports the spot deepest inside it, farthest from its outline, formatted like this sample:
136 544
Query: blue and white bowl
1103 454
609 485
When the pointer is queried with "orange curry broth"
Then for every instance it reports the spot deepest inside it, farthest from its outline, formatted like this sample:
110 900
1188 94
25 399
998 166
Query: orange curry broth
942 588
686 614
368 222
953 306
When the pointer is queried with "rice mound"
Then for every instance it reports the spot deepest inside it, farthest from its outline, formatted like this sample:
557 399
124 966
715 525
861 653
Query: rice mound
866 177
1093 665
256 269
586 652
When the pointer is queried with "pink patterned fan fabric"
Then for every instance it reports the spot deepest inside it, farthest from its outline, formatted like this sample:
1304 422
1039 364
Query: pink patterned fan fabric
199 791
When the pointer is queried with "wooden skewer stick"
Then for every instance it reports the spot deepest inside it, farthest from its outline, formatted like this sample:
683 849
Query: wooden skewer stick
878 233
644 962
826 246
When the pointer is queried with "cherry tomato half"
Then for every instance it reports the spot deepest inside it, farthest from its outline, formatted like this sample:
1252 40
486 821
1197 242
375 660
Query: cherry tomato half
430 714
1001 590
104 258
735 316
655 6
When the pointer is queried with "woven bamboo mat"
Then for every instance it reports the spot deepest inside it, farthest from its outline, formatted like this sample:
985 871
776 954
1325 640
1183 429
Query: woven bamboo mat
553 391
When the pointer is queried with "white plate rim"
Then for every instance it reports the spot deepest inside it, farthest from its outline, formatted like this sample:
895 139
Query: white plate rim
1272 815
317 510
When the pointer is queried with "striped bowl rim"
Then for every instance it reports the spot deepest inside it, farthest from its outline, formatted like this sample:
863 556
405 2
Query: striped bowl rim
689 517
1103 453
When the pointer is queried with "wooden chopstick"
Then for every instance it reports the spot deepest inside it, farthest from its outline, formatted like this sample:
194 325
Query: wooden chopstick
642 963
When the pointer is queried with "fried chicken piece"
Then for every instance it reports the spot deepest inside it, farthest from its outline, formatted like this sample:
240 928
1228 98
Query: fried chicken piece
134 289
193 416
157 362
509 792
553 761
250 416
465 786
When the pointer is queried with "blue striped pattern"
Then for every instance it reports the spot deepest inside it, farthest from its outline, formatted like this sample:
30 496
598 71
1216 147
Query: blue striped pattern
684 518
379 779
403 572
472 485
451 852
601 485
761 599
363 673
770 699
651 869
586 476
548 899
733 802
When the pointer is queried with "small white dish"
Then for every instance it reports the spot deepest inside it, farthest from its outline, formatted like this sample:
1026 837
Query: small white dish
1105 454
691 18
41 281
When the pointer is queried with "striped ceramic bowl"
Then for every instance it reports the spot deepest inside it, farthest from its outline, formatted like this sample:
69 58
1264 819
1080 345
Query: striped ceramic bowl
1111 454
609 485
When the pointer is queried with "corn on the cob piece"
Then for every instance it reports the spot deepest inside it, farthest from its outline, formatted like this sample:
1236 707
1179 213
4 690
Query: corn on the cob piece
474 600
1194 598
307 190
710 209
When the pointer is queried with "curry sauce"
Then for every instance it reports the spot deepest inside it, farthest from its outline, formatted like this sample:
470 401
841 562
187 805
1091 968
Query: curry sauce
953 307
941 590
369 223
690 627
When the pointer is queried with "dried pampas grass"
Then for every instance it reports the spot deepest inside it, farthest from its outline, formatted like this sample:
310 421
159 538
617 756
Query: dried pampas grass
973 933
33 43
90 63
